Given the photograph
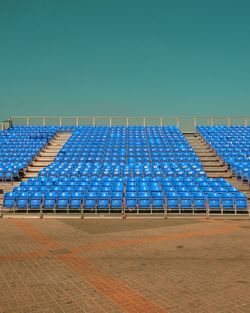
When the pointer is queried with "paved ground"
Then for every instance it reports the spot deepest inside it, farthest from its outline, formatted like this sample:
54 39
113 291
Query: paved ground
174 265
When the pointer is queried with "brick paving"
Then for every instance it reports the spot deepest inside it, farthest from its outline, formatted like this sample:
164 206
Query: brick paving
163 266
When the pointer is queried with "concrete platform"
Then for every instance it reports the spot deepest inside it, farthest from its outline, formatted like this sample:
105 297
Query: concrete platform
163 266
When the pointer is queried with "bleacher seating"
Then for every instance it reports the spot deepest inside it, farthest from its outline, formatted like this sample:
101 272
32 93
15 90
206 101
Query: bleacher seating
232 144
176 193
126 152
19 145
132 168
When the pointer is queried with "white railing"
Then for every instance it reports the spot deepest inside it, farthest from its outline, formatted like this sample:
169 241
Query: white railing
184 123
5 125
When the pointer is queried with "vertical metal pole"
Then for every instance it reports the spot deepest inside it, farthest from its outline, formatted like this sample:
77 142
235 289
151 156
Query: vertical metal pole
229 121
178 122
41 211
127 121
44 121
82 216
77 121
27 121
195 123
144 121
60 121
161 121
93 121
212 121
110 121
246 123
207 210
165 211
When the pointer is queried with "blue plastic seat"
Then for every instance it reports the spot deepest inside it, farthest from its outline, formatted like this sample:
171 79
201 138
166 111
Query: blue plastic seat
240 200
186 200
9 175
199 200
9 200
214 200
63 200
36 201
157 194
172 200
131 203
157 203
154 186
144 199
131 188
227 200
89 202
116 200
103 200
103 203
76 200
131 200
22 200
118 187
116 203
50 200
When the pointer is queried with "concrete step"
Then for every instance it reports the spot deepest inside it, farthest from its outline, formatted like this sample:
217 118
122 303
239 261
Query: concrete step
31 174
202 149
37 167
48 154
209 159
45 159
213 164
40 164
215 168
219 174
53 148
206 154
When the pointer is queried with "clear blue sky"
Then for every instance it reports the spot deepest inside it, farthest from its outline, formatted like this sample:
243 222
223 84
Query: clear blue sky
124 57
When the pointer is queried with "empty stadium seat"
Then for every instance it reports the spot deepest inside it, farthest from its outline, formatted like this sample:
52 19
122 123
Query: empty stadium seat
104 168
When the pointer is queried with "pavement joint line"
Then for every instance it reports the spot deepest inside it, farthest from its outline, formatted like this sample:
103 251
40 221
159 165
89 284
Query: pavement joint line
122 295
155 239
56 248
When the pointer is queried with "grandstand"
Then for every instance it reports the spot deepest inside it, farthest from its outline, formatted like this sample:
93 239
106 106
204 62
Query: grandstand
124 166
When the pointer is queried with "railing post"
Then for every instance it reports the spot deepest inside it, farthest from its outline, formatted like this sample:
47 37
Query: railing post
178 122
161 121
93 121
229 121
212 121
127 121
246 121
27 121
77 121
60 121
144 121
44 121
110 121
195 123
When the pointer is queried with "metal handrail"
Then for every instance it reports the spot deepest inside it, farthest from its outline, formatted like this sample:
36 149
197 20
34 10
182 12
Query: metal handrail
186 123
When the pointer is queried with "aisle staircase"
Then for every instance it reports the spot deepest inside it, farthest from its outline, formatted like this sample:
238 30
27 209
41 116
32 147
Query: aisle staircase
46 156
213 165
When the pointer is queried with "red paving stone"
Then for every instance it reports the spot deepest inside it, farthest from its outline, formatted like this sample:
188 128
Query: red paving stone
59 267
